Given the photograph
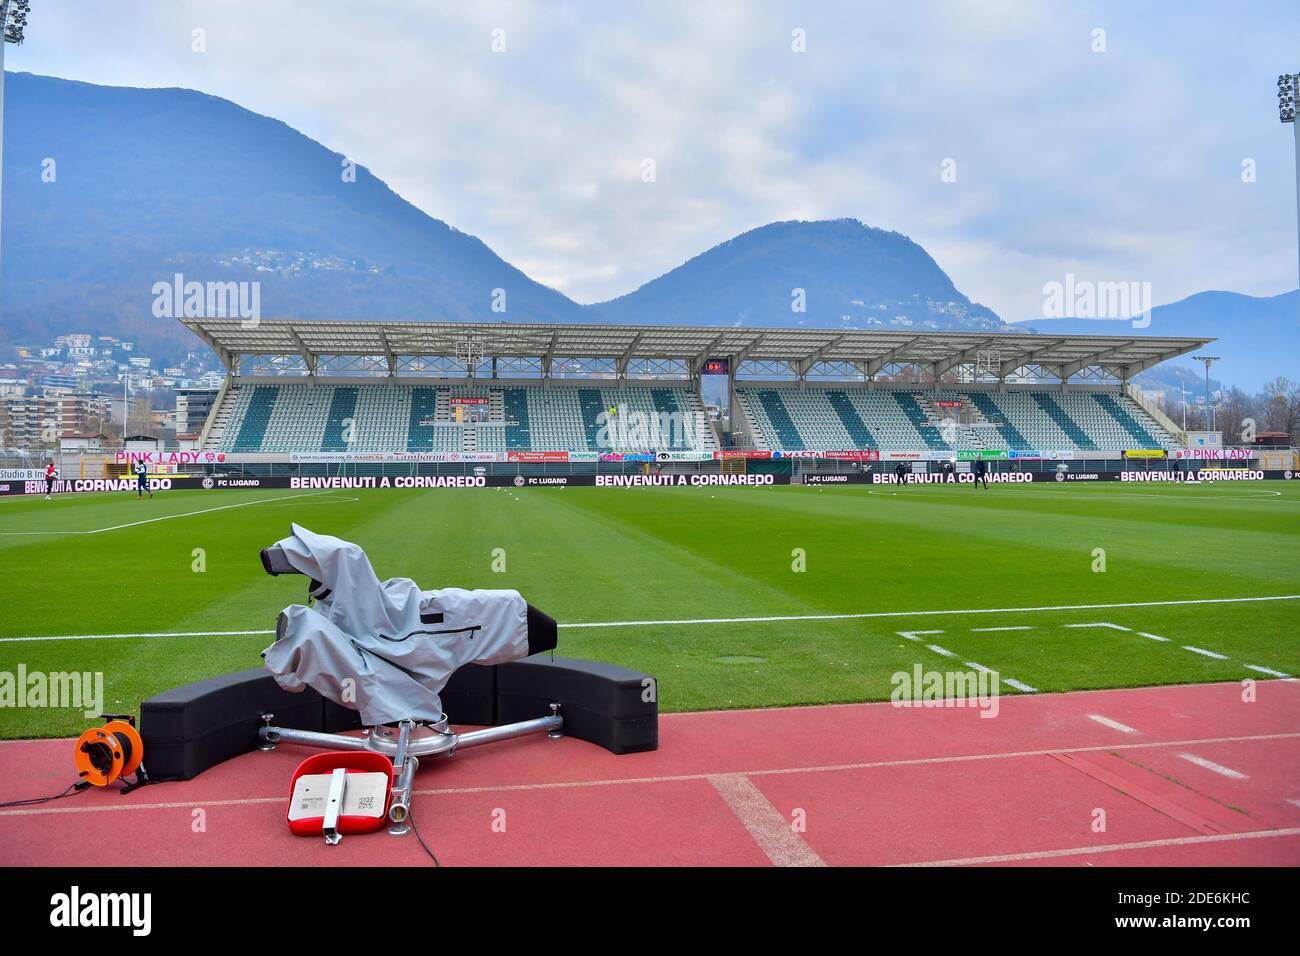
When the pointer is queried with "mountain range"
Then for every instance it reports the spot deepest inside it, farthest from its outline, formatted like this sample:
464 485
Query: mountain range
109 190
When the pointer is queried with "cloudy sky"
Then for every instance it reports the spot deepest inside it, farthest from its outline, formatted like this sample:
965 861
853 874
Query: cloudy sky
1117 141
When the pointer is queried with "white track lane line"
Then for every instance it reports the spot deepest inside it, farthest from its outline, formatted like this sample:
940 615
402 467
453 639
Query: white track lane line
127 806
1113 724
1201 650
758 620
1215 767
1110 848
771 831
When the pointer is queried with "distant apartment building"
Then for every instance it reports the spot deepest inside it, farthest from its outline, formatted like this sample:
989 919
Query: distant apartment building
31 421
192 408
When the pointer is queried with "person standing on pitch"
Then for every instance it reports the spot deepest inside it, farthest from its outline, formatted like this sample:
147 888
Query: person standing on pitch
51 473
981 473
141 479
900 470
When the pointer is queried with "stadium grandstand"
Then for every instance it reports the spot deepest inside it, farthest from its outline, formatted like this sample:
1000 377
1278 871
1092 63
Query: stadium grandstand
506 392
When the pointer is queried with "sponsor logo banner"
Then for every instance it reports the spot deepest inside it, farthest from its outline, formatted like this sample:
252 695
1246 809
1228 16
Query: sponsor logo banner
988 454
735 453
1215 454
432 457
854 479
170 457
541 481
946 404
22 474
853 455
1144 453
683 456
537 457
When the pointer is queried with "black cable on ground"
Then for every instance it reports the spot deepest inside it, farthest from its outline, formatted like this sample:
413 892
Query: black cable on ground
410 815
72 788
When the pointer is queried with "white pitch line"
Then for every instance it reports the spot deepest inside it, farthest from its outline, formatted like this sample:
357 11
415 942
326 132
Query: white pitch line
1113 724
941 650
1154 637
988 610
128 806
106 637
1113 627
1266 670
915 635
771 831
1215 767
187 514
1201 650
1022 627
774 619
1019 686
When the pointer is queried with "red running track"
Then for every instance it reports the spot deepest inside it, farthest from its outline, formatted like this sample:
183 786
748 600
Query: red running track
1192 775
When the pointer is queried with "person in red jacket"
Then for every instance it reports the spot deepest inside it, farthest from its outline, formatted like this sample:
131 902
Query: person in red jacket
50 474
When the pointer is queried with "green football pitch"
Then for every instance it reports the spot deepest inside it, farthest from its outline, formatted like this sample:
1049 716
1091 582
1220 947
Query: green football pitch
730 597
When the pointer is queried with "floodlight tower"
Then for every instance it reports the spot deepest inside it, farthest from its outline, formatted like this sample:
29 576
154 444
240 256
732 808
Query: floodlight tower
1208 360
1288 88
13 21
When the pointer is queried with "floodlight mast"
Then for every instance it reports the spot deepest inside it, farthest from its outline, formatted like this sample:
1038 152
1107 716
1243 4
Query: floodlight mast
1208 360
1288 92
13 23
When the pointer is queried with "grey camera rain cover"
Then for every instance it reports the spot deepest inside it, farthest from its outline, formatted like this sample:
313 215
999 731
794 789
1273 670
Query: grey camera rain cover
386 648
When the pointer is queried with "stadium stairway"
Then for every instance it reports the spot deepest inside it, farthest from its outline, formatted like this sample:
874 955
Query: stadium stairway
920 421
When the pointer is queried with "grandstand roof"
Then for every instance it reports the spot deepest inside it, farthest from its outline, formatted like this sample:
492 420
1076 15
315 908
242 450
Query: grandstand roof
1122 355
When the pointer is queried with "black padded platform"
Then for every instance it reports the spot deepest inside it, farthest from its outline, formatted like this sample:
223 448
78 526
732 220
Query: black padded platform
188 729
601 703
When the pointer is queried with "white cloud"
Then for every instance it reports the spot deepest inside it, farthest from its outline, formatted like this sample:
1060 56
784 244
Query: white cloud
1117 165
